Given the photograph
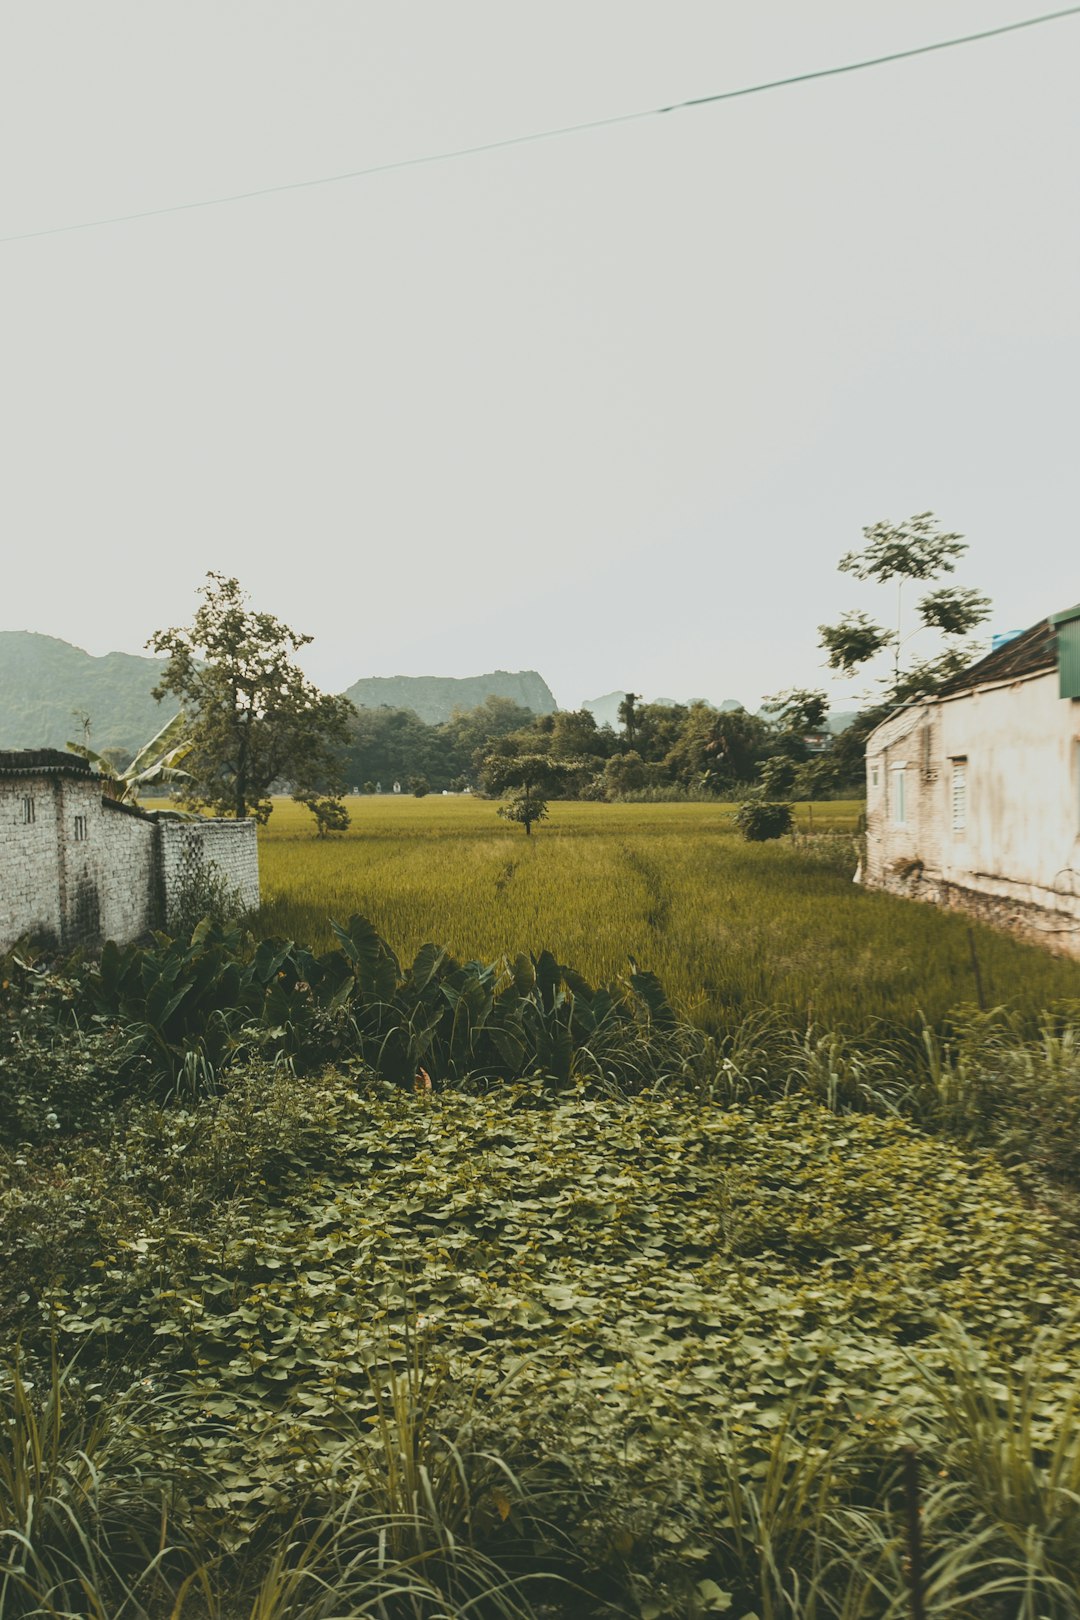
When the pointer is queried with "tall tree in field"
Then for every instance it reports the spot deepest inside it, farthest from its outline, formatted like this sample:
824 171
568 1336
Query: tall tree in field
915 551
524 781
628 716
252 717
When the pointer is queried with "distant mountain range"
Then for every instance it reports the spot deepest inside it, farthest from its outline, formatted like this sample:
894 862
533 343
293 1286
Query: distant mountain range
435 697
47 684
605 710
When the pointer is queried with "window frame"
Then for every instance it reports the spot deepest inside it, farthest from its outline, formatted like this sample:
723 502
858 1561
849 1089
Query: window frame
958 800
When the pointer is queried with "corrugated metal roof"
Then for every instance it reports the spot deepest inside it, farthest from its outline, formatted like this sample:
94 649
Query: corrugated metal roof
1035 652
43 762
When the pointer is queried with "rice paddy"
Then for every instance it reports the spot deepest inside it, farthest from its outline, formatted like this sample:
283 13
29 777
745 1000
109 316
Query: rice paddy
729 927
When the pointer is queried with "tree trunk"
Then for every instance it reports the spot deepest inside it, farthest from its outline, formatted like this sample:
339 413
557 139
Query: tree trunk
240 798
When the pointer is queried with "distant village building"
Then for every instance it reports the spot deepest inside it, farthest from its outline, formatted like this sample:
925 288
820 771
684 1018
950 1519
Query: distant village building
973 795
77 867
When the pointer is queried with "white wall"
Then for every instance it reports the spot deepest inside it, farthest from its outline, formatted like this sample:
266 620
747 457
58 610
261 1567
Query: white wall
1022 744
131 902
1021 842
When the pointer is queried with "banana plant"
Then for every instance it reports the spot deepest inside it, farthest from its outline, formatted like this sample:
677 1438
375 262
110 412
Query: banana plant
157 761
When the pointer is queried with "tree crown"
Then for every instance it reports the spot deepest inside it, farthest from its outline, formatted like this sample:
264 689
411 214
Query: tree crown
253 718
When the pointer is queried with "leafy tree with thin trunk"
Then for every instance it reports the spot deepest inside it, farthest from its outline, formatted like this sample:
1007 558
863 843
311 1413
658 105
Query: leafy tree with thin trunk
330 814
252 716
914 550
525 781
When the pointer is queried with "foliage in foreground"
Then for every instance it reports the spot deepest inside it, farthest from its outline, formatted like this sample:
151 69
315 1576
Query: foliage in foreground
170 1020
297 1349
179 1011
541 1301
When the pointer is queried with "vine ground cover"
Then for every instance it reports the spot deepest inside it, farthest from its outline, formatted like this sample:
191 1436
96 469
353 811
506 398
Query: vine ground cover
623 1318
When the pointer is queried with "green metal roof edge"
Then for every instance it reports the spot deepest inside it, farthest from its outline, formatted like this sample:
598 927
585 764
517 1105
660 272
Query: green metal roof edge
1063 618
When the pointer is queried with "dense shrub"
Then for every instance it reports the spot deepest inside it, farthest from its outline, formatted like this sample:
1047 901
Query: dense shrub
761 819
189 1008
56 1076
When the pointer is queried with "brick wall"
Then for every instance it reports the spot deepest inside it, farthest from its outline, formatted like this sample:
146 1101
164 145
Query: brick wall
131 899
29 860
223 851
77 869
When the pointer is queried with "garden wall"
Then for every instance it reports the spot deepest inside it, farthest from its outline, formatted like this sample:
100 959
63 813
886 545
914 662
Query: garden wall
219 851
77 868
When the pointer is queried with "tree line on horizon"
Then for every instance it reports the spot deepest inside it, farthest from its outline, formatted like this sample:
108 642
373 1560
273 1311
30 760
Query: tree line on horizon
661 749
672 750
255 725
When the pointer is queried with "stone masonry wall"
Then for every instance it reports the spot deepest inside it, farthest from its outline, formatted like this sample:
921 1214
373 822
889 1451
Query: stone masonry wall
77 868
191 851
130 896
1052 922
29 861
81 870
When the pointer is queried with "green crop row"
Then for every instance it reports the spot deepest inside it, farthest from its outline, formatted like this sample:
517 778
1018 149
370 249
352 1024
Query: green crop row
729 928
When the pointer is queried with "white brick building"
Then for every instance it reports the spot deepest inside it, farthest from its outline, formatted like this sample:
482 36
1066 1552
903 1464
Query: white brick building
77 867
973 796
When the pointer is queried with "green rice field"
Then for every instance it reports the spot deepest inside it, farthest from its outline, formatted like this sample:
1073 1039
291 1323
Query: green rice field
728 927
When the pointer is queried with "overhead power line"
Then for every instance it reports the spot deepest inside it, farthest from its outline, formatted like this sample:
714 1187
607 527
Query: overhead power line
563 130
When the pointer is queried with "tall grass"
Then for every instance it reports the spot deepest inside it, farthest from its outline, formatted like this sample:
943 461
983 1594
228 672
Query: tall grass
100 1520
85 1502
730 928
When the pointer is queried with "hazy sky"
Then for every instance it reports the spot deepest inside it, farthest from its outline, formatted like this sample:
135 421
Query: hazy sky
609 406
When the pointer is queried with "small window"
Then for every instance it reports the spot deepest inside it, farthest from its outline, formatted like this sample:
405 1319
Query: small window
28 814
873 776
959 795
899 795
80 829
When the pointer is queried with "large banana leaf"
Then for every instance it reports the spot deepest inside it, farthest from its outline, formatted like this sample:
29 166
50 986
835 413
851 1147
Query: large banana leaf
157 761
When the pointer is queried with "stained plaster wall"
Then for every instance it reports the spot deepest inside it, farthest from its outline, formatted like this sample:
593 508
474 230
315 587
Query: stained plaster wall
1016 860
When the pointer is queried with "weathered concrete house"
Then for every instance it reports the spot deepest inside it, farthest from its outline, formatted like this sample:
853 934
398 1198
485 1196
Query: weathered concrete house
77 867
973 796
